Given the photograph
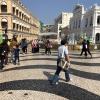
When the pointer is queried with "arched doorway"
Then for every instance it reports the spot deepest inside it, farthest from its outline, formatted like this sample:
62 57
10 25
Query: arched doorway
97 38
4 23
3 6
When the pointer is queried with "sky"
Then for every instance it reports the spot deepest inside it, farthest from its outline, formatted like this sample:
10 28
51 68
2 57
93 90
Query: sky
47 10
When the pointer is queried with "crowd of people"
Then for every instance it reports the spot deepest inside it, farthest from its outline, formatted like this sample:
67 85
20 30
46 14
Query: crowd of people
11 48
48 46
35 46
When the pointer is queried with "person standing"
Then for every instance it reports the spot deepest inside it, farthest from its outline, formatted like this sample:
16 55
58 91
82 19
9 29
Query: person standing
45 45
2 56
4 49
88 48
63 63
13 43
24 45
49 46
16 54
7 50
37 44
33 44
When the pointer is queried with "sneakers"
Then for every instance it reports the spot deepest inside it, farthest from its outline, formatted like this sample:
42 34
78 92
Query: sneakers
68 80
53 83
54 80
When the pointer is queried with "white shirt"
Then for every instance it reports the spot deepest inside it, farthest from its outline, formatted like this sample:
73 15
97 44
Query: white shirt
62 51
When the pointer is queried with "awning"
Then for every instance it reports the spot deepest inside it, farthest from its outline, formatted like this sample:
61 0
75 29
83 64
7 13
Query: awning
48 34
4 20
3 3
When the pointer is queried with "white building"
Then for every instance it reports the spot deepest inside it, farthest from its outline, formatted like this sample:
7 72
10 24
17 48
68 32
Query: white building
85 24
61 22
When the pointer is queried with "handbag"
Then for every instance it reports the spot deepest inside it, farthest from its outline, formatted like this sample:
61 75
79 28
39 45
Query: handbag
63 64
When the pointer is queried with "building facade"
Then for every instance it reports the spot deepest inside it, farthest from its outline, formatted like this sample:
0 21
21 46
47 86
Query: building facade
47 28
18 20
62 23
85 24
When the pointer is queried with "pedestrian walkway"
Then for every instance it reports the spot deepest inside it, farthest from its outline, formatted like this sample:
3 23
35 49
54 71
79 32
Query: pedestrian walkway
29 80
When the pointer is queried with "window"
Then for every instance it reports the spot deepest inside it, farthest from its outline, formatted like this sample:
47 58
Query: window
20 14
13 25
91 21
20 27
25 17
17 26
86 22
4 23
76 24
3 7
79 24
17 12
98 20
97 36
13 10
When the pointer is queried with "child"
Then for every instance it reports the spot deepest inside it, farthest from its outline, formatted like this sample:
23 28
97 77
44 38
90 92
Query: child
16 54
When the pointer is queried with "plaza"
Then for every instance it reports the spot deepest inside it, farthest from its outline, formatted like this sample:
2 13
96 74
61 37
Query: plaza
23 34
29 80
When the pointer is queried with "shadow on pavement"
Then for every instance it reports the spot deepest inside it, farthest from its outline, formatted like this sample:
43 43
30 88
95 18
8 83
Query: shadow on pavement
65 90
77 57
85 63
74 54
52 59
83 74
32 67
87 75
83 57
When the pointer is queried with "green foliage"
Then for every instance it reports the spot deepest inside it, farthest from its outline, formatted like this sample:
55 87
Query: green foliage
1 39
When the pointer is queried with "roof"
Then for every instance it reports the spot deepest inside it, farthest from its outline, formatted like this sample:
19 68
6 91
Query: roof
48 34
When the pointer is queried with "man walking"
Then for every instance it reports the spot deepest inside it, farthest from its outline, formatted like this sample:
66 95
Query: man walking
88 48
63 57
84 48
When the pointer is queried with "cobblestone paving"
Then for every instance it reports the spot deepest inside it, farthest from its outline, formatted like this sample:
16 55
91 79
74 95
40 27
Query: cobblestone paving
29 80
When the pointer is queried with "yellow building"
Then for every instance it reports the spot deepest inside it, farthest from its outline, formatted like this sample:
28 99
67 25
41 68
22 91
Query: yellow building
18 20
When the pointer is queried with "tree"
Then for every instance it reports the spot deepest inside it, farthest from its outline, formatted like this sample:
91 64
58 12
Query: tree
41 26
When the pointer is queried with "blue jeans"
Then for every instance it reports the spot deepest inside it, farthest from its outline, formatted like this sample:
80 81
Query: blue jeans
2 61
59 69
55 79
16 58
